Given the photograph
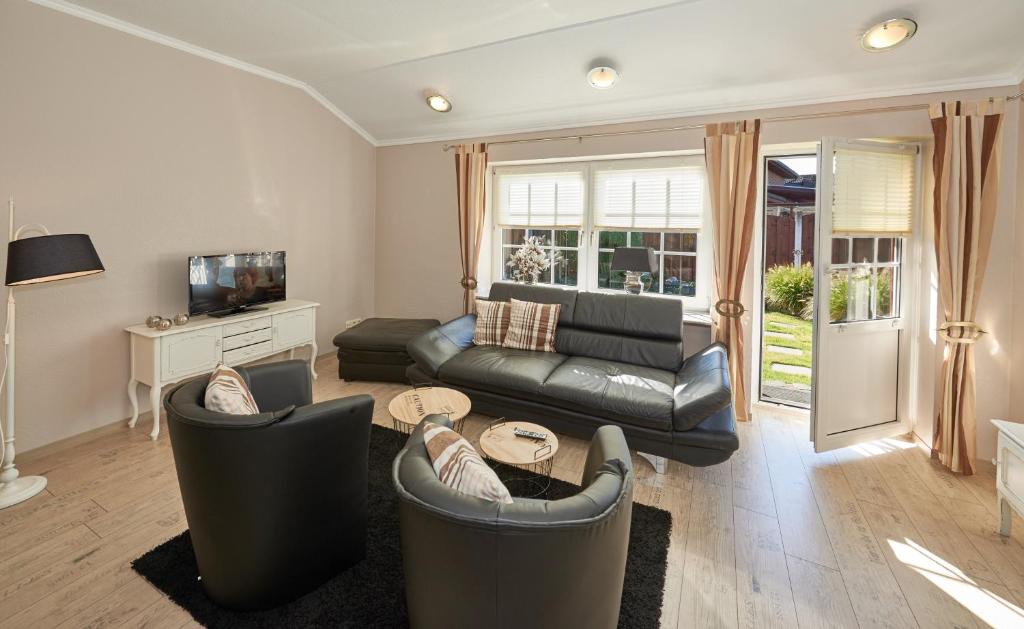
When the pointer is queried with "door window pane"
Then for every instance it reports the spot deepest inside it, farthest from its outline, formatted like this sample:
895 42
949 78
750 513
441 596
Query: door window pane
840 251
887 249
863 250
885 292
838 295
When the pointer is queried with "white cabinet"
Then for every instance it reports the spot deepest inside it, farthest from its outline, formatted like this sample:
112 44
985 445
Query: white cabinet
162 357
189 353
1009 472
292 328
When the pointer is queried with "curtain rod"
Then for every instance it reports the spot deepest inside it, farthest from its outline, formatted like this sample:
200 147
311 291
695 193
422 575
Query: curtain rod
690 127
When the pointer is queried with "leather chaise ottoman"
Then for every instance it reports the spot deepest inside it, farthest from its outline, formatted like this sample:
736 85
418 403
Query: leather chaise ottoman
375 349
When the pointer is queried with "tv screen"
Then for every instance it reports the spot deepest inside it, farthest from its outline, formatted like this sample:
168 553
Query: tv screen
230 283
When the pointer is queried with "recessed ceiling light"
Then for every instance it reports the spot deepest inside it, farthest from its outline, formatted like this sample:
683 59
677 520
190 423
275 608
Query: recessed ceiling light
888 34
602 77
439 103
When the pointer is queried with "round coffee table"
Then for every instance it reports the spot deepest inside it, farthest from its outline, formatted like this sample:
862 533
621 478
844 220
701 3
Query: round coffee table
500 444
409 408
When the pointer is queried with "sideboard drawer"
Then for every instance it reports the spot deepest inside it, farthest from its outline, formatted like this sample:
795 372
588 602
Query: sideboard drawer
189 353
249 338
247 353
262 323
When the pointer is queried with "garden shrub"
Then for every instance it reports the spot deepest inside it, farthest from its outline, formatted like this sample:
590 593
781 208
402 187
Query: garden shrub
789 289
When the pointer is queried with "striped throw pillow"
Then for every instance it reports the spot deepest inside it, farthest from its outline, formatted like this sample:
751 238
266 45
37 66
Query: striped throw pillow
532 326
226 392
458 465
491 322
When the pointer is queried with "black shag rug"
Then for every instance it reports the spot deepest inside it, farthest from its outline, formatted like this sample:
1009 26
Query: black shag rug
372 593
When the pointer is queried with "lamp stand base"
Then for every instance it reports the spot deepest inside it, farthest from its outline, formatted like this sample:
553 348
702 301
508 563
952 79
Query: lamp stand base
20 490
633 284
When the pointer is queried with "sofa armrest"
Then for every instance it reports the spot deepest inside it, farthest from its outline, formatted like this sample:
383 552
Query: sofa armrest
702 387
434 347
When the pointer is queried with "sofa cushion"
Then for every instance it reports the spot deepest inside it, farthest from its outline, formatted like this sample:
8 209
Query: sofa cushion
458 465
500 369
644 316
631 394
227 392
492 318
531 326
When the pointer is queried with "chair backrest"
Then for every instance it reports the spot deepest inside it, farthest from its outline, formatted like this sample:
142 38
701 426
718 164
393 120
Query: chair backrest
575 547
636 329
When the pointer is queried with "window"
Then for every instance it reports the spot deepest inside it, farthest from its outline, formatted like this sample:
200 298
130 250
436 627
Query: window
583 210
865 278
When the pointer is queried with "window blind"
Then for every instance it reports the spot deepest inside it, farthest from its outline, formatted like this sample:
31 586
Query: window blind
655 195
873 191
539 199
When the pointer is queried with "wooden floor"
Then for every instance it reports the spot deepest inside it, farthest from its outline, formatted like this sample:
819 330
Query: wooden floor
871 536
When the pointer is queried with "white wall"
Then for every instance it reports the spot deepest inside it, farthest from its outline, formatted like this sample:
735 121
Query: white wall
158 154
417 257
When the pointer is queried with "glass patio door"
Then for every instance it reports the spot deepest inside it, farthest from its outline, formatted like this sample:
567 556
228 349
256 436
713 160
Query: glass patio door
866 219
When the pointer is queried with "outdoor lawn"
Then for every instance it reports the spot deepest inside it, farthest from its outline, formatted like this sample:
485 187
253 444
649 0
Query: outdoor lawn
800 330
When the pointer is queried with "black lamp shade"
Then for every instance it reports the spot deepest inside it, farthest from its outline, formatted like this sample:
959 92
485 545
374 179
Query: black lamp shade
50 258
637 259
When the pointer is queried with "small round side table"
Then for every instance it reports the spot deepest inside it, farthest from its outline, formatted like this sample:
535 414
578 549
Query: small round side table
409 408
500 444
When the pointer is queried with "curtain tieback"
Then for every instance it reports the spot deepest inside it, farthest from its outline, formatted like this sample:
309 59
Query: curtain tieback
729 308
973 329
469 283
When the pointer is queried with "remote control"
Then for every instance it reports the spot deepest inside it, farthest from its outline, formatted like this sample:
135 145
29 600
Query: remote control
529 434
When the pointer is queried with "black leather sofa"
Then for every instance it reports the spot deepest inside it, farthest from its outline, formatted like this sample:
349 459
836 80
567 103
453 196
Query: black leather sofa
275 502
618 360
533 563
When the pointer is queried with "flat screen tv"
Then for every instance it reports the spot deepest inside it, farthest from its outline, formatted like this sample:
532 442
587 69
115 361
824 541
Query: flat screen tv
228 284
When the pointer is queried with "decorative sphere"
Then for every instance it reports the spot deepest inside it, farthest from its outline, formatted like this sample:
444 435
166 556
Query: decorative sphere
163 324
152 320
180 319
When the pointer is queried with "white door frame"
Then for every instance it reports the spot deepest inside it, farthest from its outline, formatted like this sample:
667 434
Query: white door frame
910 273
754 273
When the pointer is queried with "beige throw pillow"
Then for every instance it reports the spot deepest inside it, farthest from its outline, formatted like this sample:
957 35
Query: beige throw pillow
491 322
532 326
226 392
458 465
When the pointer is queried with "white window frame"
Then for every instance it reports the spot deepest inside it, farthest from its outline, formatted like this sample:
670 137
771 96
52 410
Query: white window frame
588 243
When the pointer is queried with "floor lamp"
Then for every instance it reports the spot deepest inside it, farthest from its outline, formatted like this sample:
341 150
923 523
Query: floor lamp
44 258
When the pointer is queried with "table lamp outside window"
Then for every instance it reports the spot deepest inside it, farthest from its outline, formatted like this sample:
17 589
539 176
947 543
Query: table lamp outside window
44 258
634 261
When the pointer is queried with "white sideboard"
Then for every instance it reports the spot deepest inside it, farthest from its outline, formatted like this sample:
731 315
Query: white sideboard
1009 472
163 357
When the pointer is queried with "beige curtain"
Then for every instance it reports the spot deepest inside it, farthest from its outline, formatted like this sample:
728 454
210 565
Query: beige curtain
471 178
966 168
730 151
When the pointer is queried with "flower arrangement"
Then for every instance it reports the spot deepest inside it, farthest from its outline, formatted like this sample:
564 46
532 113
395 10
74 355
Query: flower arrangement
530 260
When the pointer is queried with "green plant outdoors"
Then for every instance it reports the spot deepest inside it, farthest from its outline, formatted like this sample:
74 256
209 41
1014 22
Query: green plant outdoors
789 289
801 331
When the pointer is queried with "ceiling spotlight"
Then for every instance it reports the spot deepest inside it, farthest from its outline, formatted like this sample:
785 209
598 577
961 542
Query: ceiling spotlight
439 103
602 77
888 34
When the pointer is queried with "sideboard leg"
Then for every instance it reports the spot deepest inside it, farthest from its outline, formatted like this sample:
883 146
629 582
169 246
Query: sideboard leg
312 359
154 401
1005 517
133 397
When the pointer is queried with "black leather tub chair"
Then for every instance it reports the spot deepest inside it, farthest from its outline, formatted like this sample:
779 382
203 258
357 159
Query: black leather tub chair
534 563
276 502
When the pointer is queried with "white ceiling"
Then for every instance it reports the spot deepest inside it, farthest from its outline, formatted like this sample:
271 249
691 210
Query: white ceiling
511 65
